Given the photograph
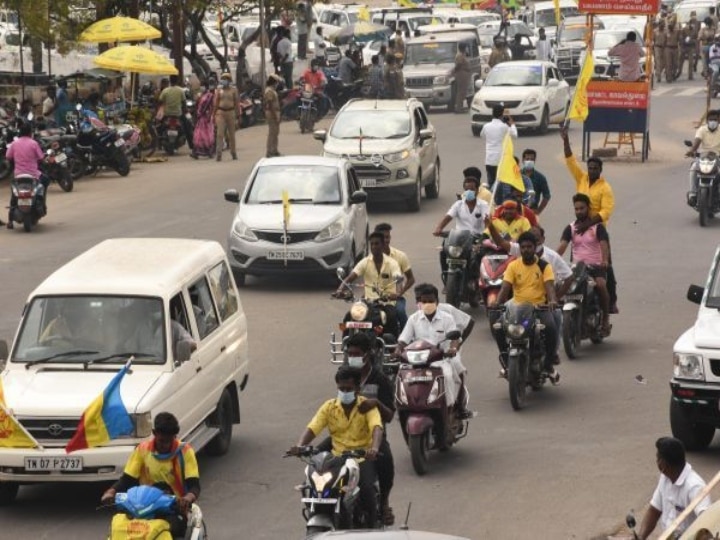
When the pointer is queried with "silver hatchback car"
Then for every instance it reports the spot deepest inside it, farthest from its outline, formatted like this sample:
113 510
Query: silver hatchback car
327 226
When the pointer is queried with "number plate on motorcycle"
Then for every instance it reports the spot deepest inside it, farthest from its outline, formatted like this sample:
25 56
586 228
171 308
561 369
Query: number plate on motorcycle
496 257
318 501
60 158
120 142
369 182
24 202
172 133
356 324
57 463
282 255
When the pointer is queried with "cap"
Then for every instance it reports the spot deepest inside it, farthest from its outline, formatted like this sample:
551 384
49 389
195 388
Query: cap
226 75
510 204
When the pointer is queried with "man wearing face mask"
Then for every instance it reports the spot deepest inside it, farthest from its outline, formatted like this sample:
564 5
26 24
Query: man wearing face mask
483 193
226 103
539 182
432 325
707 137
505 191
350 429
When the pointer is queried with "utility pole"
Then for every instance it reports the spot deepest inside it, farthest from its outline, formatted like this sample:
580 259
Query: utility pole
263 76
178 36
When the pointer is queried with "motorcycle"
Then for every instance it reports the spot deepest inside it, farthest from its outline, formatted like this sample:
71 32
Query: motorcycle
460 285
492 269
100 146
140 513
525 336
707 167
340 93
30 194
582 316
7 134
171 136
308 111
249 107
330 492
427 420
55 167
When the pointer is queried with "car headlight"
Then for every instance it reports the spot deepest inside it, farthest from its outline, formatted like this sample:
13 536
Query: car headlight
688 366
143 425
333 230
397 156
418 357
515 330
706 166
455 251
441 79
243 231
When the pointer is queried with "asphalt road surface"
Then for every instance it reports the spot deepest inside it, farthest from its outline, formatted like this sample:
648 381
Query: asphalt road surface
568 466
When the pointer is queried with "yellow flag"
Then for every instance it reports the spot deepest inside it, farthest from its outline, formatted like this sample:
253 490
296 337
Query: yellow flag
407 3
286 208
508 171
579 106
556 3
12 434
2 395
363 14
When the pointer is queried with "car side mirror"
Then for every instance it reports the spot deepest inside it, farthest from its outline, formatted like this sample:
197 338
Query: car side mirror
359 197
688 143
453 335
340 272
553 83
3 350
320 135
695 293
232 195
184 351
425 134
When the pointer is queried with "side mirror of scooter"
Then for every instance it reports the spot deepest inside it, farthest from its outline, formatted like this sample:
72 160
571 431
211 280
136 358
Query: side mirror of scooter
630 520
453 335
232 195
695 294
3 350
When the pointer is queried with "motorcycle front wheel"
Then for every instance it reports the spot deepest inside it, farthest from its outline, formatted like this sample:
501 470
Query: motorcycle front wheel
703 205
569 334
452 289
517 383
27 222
122 164
64 179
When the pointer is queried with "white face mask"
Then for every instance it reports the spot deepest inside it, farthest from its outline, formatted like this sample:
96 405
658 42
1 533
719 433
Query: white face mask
712 125
429 308
356 361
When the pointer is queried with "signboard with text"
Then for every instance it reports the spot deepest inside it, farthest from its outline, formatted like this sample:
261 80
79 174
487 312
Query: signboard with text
620 7
618 95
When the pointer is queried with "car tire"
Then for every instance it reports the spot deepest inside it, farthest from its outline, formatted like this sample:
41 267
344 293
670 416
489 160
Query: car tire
451 105
476 130
694 436
544 121
8 492
222 418
413 203
432 190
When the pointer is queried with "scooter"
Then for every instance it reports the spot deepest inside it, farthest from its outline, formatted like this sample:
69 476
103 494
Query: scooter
427 420
582 316
249 108
707 202
460 286
140 513
30 194
492 269
330 492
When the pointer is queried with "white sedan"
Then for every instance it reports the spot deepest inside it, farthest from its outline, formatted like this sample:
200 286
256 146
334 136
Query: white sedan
533 92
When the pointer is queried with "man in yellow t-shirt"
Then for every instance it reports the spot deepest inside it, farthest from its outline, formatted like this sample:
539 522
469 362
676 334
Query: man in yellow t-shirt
353 424
531 280
511 224
403 261
166 463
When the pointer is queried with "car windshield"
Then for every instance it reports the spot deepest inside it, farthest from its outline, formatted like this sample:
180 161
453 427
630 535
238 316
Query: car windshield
82 328
430 53
414 22
304 184
609 40
546 17
574 33
683 12
371 124
507 74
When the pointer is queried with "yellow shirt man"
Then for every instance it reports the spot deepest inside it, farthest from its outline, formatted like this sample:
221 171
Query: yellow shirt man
602 200
514 229
528 281
145 466
351 432
381 283
401 258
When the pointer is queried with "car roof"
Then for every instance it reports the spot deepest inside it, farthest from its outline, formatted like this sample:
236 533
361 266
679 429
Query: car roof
443 37
448 27
132 266
379 104
526 63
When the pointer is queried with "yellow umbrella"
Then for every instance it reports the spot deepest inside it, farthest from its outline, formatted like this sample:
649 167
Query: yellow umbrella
117 29
136 60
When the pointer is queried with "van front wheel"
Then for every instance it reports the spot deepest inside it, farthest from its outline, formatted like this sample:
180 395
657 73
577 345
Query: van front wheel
222 419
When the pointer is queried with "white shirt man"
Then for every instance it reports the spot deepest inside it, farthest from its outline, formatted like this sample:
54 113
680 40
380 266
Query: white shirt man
542 49
284 50
466 220
672 498
494 134
320 46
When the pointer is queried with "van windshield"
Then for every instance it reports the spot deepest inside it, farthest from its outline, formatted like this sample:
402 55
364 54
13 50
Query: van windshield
74 329
546 17
713 298
431 53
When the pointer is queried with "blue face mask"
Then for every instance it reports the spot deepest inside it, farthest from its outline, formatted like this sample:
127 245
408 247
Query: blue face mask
346 398
470 195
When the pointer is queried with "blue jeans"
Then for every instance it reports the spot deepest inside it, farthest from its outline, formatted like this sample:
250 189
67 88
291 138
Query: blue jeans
715 68
402 316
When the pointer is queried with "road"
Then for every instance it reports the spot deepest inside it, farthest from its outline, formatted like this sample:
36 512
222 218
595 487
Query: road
569 466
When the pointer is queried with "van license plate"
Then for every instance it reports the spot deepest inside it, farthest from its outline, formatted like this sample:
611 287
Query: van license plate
283 255
369 182
53 463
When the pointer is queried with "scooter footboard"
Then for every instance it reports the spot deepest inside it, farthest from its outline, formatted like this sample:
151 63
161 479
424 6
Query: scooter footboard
417 424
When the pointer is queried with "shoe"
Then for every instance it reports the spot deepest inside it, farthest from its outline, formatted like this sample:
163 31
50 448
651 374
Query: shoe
10 225
554 377
614 309
218 157
234 156
556 360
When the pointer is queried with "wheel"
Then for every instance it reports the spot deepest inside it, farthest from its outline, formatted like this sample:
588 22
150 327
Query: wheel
694 436
27 222
432 190
451 105
569 335
222 418
419 452
544 122
452 290
239 278
413 203
703 206
122 164
169 148
312 529
516 382
5 168
476 130
8 492
77 167
65 180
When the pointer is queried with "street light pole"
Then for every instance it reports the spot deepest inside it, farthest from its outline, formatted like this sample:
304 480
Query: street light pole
178 36
263 76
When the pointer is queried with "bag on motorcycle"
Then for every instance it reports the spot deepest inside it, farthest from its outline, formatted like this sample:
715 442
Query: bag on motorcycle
124 528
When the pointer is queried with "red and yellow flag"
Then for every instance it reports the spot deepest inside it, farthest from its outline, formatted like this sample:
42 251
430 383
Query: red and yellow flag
12 433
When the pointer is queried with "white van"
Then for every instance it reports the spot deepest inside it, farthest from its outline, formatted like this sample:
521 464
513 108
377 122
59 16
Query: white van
542 15
125 298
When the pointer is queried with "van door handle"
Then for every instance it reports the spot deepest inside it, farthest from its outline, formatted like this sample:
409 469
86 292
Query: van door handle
198 369
222 349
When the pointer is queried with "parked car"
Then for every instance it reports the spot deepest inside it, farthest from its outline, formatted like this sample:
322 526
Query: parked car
392 146
533 92
542 15
328 224
603 41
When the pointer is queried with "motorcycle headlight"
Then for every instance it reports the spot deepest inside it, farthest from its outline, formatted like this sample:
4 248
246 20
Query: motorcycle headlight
441 79
397 156
706 166
359 311
333 230
515 330
418 357
243 231
455 251
320 480
688 366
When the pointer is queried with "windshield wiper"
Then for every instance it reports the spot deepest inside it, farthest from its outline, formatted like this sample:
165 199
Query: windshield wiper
397 136
31 363
117 355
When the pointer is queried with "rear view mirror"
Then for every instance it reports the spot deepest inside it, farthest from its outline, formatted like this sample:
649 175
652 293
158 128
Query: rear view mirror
3 350
358 197
553 82
232 195
78 107
630 521
453 335
426 134
320 135
695 294
184 350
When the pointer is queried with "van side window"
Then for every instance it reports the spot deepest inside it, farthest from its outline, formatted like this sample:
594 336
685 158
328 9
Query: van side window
223 290
423 118
178 313
549 74
203 308
474 50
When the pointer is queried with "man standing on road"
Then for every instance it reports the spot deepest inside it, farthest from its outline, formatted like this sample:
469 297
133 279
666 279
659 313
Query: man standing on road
347 68
404 263
672 41
320 47
678 485
494 134
539 182
271 104
542 46
285 57
225 112
659 40
462 77
304 21
688 47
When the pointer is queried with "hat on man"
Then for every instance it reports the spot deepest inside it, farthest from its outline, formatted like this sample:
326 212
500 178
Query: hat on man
510 205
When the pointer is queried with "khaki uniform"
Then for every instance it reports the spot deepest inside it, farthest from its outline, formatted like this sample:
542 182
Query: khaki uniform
394 82
688 47
659 39
271 105
672 40
497 56
226 103
462 80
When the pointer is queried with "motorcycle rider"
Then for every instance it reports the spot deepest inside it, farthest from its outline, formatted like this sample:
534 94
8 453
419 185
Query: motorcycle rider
156 462
315 77
381 275
350 429
25 154
523 209
530 279
431 324
512 223
707 136
714 61
591 247
404 263
464 323
173 99
538 179
483 193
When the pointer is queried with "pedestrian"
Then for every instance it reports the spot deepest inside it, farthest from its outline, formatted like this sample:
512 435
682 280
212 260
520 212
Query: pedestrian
672 40
375 82
713 17
499 52
659 40
629 51
48 105
494 134
285 57
462 77
277 36
271 105
204 133
62 102
347 68
304 20
705 39
225 113
678 485
399 49
320 46
394 80
688 46
542 46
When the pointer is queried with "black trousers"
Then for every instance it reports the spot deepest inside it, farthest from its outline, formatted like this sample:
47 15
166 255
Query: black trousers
491 174
366 498
611 285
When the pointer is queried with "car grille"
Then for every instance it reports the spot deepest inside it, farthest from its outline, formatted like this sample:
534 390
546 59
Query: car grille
418 82
371 171
277 237
715 367
506 104
51 431
262 265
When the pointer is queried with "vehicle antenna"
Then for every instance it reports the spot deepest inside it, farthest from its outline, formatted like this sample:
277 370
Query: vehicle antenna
360 139
404 526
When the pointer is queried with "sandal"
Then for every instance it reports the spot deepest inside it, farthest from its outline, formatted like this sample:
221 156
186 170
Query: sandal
388 516
605 330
